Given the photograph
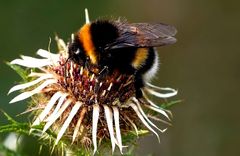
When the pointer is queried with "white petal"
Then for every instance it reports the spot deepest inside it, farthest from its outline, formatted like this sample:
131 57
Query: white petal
117 127
57 115
47 109
76 129
159 88
29 58
87 16
159 110
161 95
62 46
109 118
158 119
27 94
156 106
29 84
145 116
60 102
68 121
143 120
34 74
149 101
95 118
47 54
151 86
31 63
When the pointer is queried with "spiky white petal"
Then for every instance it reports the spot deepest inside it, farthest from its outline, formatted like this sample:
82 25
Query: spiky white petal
152 87
147 99
32 63
161 95
159 110
57 115
63 48
87 16
159 88
109 118
27 94
76 129
158 119
60 102
163 112
73 112
47 54
95 118
145 116
143 120
31 83
47 109
34 74
117 127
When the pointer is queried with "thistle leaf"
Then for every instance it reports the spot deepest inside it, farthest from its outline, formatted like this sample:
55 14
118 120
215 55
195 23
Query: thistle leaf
10 119
23 73
167 105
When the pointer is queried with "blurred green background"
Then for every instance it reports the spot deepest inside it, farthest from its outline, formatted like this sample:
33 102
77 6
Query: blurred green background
203 65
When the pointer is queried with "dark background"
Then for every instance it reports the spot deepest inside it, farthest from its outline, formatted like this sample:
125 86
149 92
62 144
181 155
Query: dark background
203 65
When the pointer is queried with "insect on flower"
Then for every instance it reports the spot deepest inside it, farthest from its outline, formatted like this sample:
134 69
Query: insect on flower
97 86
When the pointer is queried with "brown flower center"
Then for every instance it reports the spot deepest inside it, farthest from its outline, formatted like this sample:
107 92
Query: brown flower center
91 88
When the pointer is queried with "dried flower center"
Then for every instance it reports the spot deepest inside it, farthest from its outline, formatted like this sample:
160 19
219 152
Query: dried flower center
91 88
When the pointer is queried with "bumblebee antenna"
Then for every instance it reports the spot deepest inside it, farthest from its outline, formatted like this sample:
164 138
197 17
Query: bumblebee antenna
104 68
87 16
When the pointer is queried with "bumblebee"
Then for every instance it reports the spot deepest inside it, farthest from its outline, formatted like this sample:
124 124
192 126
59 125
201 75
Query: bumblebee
119 45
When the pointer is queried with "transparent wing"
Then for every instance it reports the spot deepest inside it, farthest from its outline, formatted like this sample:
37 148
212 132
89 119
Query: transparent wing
143 35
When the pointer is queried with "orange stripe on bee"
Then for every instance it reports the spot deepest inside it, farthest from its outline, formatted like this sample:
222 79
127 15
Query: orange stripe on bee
86 39
140 57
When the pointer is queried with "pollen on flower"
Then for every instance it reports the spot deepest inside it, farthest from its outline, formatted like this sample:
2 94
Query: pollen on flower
82 107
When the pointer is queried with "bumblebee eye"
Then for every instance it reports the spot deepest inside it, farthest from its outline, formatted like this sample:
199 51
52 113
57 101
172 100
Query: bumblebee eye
77 52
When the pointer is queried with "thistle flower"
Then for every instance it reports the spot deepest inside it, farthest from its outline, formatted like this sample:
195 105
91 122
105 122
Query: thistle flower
77 105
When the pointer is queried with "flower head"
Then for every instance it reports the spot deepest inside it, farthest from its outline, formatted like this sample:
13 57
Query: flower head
78 105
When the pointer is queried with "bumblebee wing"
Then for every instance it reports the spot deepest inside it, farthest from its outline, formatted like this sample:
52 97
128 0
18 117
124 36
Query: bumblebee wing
143 35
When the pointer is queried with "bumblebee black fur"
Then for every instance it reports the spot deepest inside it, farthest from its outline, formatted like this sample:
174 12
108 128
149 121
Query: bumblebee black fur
115 45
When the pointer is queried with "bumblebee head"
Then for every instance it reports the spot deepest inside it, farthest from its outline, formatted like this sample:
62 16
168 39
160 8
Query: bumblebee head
91 40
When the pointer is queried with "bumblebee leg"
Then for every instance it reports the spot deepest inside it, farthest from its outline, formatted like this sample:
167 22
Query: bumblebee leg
138 85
